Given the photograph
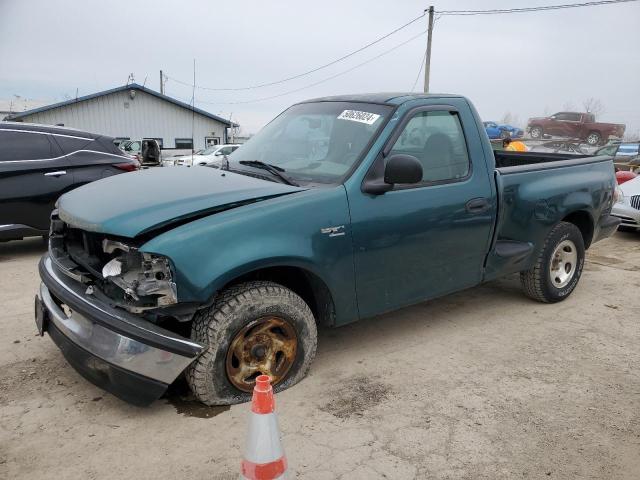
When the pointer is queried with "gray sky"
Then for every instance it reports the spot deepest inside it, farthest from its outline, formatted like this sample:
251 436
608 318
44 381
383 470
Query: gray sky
528 64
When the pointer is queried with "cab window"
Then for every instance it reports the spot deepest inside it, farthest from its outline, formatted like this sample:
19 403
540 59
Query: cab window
436 139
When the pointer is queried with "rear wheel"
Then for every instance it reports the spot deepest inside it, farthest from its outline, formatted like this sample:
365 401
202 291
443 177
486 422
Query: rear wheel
536 132
252 329
558 267
594 138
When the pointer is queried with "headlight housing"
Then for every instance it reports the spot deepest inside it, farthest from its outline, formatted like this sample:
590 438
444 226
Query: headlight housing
142 280
618 195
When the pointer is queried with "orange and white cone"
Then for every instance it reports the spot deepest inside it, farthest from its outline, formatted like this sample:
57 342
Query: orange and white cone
264 457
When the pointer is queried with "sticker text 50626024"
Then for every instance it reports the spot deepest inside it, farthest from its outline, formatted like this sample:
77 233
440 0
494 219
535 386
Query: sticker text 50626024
358 116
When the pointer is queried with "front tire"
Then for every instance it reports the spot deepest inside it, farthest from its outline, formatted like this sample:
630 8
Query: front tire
252 328
558 267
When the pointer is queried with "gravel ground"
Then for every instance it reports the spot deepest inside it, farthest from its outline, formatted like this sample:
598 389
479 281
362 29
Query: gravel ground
481 384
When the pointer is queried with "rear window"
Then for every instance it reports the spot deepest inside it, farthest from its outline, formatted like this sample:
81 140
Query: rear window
72 144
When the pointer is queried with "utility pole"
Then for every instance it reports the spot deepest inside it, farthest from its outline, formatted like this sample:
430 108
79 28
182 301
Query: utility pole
161 83
427 57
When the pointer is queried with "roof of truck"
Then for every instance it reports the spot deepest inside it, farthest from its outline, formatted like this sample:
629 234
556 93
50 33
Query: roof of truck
394 98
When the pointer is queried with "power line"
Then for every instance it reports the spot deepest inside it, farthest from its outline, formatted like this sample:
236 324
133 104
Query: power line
321 67
320 81
531 9
419 71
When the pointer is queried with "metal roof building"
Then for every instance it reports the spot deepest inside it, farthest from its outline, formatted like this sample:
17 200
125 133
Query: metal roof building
134 112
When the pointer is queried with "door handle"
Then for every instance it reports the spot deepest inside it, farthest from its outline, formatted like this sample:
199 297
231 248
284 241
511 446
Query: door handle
57 173
477 205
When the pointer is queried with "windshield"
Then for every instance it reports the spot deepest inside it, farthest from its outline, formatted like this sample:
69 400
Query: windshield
608 150
208 150
315 142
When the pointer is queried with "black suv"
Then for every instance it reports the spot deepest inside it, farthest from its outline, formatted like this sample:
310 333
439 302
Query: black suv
38 163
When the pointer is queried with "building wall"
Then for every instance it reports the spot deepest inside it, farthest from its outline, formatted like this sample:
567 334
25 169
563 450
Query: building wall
144 116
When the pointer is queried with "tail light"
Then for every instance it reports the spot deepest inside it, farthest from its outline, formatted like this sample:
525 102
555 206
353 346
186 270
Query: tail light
128 166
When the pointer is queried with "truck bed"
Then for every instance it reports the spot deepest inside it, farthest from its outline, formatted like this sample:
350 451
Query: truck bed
535 191
517 159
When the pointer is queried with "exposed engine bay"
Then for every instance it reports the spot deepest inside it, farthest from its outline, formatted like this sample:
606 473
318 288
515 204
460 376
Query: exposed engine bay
143 277
113 268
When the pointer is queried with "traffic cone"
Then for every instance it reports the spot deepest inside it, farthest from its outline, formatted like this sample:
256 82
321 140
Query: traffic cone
264 457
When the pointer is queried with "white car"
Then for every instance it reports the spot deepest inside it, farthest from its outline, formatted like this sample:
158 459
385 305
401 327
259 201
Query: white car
627 206
211 156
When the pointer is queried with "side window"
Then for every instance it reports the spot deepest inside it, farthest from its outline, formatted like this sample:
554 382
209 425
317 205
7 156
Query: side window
184 143
25 146
436 139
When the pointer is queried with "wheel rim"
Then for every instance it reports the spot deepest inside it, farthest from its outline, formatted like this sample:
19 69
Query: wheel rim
563 264
536 132
592 139
266 346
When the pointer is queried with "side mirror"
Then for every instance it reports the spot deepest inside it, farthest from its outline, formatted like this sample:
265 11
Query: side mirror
402 169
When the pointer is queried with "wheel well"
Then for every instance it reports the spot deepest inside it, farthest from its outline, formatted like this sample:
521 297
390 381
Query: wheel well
307 285
583 221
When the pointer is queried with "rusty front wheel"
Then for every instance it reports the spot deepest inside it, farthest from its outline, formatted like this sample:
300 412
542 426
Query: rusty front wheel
266 346
251 329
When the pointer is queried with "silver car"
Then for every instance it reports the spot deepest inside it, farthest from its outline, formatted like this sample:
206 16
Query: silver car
627 206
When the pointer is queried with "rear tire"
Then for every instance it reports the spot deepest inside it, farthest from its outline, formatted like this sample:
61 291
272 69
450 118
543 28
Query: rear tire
536 132
594 139
558 267
232 315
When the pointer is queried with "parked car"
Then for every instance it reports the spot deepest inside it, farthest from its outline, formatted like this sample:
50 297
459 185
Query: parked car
147 151
340 209
495 130
623 176
211 156
559 146
582 126
38 163
627 206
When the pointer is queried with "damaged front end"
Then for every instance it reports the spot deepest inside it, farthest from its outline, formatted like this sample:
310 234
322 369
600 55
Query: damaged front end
140 280
113 311
114 269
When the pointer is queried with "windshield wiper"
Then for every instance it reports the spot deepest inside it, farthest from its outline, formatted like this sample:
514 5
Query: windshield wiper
272 169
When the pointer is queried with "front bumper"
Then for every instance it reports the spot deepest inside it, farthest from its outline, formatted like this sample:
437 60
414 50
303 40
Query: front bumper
629 216
124 354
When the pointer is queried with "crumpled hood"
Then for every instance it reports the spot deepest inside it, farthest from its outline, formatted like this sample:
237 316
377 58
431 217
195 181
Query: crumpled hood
130 204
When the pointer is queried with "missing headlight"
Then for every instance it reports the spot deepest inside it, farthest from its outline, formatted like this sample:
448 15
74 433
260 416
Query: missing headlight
145 279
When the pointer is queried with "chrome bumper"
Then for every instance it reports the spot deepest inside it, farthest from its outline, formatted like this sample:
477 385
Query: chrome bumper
111 348
629 216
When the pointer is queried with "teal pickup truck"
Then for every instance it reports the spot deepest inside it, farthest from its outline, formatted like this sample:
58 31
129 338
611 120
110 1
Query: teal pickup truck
340 209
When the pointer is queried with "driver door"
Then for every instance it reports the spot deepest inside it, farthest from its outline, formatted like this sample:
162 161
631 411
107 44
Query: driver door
424 240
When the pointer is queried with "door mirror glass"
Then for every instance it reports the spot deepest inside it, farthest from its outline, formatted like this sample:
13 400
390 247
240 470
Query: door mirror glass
403 169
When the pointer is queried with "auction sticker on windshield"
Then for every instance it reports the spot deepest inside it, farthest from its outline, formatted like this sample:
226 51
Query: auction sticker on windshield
358 116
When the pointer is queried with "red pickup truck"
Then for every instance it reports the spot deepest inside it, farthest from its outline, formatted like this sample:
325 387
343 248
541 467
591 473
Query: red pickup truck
574 125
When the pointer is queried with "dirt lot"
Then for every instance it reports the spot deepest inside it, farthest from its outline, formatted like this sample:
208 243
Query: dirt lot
482 384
